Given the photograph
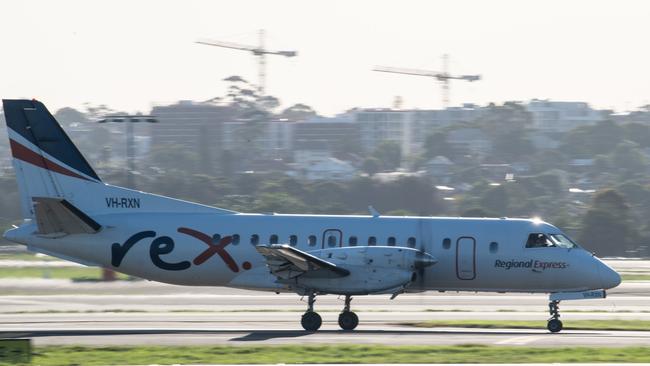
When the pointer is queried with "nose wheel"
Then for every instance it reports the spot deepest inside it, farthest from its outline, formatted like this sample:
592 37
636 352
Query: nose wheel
554 324
348 320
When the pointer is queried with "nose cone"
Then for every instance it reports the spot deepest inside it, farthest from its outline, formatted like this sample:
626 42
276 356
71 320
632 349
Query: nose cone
609 278
423 260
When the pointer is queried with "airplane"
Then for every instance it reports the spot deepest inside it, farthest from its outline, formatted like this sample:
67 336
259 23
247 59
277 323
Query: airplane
70 213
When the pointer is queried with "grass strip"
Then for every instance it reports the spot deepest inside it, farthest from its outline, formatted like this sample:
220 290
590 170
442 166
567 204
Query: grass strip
27 256
609 324
635 277
73 273
297 354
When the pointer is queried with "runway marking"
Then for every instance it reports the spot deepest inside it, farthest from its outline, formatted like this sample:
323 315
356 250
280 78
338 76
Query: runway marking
519 341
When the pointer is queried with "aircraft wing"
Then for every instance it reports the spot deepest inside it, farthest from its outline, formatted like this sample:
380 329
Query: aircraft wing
287 262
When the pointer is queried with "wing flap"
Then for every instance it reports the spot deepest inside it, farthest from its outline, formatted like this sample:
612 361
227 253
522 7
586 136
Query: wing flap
285 262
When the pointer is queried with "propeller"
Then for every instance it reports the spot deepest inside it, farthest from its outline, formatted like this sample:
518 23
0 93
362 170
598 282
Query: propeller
422 261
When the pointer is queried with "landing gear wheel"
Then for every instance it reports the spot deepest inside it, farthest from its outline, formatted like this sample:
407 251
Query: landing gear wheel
311 321
348 320
554 325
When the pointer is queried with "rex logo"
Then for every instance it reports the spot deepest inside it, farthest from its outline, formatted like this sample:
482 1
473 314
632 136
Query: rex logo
164 245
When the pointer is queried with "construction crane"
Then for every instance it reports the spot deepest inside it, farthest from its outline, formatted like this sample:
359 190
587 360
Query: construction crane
443 77
260 52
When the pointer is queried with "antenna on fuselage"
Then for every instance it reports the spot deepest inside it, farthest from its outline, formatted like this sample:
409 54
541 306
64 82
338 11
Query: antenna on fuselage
373 211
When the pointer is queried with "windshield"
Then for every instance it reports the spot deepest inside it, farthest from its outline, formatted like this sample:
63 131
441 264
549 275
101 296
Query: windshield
562 241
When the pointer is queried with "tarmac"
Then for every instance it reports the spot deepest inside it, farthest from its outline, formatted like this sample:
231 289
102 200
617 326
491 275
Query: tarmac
55 312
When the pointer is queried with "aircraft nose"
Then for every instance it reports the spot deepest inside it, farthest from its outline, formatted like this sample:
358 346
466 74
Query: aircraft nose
609 278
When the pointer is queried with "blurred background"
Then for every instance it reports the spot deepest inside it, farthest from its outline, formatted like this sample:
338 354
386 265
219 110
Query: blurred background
464 108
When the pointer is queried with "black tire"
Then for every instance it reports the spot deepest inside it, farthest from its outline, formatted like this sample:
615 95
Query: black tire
348 320
311 321
554 325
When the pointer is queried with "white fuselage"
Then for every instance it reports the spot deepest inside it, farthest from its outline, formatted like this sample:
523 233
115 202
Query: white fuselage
472 254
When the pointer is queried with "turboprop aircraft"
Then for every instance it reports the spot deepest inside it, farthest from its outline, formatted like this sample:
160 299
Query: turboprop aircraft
71 214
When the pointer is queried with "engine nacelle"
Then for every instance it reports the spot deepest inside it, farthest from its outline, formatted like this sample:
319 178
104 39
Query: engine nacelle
373 270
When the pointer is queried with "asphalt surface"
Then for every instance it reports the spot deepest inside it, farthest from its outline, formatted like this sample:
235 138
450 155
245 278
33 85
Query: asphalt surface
54 312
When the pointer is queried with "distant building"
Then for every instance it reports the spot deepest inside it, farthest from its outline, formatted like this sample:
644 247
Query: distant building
472 140
213 129
549 116
409 128
335 134
317 165
273 137
187 123
642 117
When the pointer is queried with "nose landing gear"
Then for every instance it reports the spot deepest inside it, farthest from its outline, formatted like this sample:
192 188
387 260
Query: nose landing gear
554 324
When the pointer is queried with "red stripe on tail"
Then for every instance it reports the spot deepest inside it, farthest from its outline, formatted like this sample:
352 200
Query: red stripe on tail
25 154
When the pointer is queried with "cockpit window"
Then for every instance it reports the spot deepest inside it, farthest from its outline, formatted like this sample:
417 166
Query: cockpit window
562 241
539 240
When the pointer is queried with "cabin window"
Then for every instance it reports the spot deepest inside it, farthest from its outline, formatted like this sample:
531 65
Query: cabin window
312 240
331 241
372 241
352 241
446 243
273 239
411 242
255 239
293 240
216 238
538 240
494 247
391 241
235 239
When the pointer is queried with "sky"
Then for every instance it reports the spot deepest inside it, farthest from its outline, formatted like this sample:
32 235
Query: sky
132 55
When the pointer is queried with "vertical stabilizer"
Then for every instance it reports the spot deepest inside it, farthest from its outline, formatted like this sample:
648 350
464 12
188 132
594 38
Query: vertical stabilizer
46 162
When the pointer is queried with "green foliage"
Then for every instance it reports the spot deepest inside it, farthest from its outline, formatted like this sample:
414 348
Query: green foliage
512 143
389 154
478 212
340 353
371 166
638 133
509 199
588 141
279 202
436 145
607 228
298 112
628 160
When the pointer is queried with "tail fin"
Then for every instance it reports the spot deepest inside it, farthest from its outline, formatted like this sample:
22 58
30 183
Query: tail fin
44 158
48 164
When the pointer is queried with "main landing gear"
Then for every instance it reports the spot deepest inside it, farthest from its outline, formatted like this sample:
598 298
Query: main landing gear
554 324
311 321
348 320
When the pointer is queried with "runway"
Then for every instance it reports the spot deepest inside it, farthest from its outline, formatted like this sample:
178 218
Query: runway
272 333
145 313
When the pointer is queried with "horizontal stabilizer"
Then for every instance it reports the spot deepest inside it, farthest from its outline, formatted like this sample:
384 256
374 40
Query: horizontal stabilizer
58 216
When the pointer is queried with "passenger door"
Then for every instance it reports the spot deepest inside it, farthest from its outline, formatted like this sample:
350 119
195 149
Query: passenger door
466 258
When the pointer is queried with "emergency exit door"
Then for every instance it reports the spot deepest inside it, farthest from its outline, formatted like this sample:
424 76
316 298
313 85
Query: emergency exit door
466 258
